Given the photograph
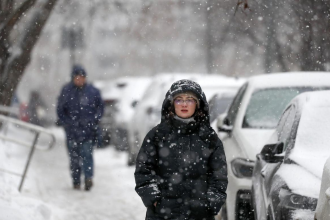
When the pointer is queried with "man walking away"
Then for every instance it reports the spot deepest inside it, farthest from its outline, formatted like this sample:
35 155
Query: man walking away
79 109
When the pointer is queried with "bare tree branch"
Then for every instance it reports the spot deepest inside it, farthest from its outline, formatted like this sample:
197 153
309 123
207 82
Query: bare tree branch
16 16
6 9
17 63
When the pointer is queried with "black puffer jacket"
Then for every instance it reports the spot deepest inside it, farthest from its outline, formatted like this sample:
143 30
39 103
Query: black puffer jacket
182 166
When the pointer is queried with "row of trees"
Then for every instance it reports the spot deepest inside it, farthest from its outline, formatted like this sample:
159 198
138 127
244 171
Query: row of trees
291 35
171 35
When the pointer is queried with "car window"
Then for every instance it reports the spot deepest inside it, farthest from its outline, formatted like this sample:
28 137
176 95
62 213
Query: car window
282 121
218 106
286 131
235 105
266 106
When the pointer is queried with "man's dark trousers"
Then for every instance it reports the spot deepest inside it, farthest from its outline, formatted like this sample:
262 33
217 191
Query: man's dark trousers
81 156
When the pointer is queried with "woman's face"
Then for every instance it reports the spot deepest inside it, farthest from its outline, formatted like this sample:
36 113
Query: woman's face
184 106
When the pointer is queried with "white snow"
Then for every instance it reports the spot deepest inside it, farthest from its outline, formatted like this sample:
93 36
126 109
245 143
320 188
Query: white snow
299 180
47 192
302 214
312 143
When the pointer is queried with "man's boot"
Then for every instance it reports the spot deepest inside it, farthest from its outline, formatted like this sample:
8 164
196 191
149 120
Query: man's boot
76 186
88 184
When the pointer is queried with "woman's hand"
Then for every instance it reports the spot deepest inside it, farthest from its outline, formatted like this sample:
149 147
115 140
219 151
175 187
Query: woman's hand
155 204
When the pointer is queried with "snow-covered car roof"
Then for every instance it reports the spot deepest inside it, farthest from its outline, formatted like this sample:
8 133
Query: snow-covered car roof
290 79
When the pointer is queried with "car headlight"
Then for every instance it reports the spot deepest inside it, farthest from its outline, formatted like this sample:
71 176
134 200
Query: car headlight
242 168
295 201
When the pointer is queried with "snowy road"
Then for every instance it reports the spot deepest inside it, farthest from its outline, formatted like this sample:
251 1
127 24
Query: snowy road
112 197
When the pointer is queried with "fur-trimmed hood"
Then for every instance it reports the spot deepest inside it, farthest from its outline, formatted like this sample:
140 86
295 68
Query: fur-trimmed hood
181 86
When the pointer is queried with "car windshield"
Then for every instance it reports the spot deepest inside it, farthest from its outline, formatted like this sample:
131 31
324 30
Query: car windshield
266 105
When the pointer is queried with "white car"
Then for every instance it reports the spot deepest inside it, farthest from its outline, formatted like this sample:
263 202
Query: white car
110 93
120 97
249 123
323 205
131 93
148 112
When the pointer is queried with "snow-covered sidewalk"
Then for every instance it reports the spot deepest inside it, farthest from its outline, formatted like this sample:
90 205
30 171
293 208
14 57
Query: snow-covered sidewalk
47 192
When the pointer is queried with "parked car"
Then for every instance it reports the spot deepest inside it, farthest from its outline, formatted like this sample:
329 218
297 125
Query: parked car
249 123
287 174
323 204
148 113
120 98
110 92
125 107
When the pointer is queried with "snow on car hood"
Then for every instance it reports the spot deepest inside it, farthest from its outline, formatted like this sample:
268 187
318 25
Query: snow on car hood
253 140
299 180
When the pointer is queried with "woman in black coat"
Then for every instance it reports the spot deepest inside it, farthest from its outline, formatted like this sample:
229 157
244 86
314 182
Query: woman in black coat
181 170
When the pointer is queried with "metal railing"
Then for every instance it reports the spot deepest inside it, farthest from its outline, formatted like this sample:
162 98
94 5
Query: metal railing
37 131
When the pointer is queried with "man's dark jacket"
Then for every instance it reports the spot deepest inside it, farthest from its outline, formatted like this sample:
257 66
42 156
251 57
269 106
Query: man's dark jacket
182 166
79 110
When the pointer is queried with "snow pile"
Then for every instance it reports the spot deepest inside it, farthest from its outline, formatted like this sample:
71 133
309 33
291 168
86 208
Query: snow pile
47 193
13 205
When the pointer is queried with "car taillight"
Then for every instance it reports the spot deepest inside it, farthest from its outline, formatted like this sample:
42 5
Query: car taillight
109 102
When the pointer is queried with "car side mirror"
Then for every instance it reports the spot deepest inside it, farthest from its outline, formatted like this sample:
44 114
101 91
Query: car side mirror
272 153
223 124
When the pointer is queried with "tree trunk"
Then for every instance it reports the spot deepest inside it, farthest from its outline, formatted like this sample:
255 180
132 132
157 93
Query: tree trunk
208 38
13 64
